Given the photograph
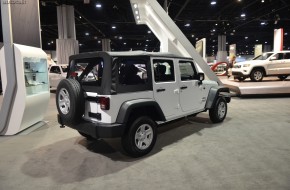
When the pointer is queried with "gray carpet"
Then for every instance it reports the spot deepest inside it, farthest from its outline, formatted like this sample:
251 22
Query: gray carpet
249 150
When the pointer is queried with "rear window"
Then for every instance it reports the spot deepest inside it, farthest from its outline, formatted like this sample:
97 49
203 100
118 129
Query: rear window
89 70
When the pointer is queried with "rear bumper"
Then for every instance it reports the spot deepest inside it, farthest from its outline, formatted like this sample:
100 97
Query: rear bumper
97 130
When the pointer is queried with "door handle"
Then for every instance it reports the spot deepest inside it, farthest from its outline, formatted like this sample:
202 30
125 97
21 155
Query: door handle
160 90
183 87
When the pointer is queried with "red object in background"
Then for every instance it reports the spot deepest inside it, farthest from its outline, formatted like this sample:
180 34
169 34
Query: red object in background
214 67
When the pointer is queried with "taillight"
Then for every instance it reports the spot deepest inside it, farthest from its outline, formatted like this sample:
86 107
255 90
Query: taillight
73 74
104 103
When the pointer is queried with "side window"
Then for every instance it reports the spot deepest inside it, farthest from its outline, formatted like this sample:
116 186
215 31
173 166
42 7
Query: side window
287 56
163 70
132 72
278 56
187 70
54 69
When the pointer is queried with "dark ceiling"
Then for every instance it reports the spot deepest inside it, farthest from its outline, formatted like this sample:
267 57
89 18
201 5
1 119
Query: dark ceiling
224 17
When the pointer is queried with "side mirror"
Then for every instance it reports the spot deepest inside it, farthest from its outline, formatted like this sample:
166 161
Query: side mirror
200 78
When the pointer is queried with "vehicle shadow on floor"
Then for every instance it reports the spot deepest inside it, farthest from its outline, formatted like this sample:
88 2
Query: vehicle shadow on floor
69 160
168 134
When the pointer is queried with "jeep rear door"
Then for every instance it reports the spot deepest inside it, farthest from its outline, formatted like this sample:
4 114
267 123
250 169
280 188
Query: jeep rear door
191 96
165 86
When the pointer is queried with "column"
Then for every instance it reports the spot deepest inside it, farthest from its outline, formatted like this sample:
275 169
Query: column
222 51
106 45
66 44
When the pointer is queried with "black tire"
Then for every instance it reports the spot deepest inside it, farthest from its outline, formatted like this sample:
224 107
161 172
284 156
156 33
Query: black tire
219 111
88 137
282 77
130 140
257 75
70 101
241 79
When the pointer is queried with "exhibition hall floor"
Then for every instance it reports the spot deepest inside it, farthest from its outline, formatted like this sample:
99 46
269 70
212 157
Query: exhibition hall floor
249 150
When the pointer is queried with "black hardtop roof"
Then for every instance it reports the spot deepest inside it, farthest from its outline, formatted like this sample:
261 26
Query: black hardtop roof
125 54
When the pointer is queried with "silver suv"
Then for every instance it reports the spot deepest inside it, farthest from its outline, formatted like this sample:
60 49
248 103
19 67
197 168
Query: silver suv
267 64
130 93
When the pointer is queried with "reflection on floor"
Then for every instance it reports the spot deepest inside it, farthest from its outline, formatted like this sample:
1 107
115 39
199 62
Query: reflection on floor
269 85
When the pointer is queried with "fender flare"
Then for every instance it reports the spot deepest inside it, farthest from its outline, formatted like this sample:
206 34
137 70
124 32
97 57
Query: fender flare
216 92
128 107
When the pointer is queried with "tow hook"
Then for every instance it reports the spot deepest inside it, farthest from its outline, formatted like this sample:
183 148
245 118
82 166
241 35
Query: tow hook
60 121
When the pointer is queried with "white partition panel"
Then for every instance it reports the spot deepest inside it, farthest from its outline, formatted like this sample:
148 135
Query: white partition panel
32 93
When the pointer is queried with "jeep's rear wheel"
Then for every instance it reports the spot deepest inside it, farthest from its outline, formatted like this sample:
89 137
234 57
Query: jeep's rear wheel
140 137
70 101
219 111
257 75
282 77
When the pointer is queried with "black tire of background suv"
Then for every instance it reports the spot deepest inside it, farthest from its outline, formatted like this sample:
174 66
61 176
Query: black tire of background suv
213 112
76 97
252 75
128 140
282 77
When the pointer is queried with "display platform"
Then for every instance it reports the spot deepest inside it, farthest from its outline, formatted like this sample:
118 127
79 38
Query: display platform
269 85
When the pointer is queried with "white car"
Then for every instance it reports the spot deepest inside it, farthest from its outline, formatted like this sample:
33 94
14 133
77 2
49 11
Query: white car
58 72
133 93
267 64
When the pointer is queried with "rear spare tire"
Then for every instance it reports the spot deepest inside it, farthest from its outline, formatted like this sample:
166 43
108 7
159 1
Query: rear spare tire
70 101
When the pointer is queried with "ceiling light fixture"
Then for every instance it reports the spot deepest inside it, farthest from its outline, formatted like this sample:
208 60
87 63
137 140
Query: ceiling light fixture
263 23
262 1
213 3
136 11
99 5
187 25
87 34
113 27
243 15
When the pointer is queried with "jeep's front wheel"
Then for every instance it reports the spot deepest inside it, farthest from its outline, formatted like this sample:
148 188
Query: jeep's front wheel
219 111
257 75
140 138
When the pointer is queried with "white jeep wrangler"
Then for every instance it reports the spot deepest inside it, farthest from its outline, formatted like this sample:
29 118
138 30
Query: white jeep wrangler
267 64
131 93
